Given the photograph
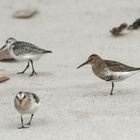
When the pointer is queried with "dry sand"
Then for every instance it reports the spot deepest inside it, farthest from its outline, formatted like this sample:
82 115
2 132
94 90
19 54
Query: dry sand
75 104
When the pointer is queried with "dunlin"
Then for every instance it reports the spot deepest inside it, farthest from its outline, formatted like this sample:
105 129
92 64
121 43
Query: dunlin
24 51
135 25
26 103
109 70
117 30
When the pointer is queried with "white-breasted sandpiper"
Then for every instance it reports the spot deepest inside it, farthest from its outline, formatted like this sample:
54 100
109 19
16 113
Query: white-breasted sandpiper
26 103
24 51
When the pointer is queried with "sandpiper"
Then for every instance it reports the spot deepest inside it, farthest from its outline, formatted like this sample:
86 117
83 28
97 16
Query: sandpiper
135 25
109 70
24 51
117 30
26 103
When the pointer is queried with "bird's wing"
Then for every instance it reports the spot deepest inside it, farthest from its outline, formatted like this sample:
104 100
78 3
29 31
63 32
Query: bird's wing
35 98
23 48
117 66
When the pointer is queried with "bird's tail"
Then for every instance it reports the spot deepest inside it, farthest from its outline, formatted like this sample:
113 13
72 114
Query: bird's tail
137 68
47 51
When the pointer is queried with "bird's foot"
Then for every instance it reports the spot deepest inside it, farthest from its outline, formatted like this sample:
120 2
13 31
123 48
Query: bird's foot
28 123
20 72
23 127
33 73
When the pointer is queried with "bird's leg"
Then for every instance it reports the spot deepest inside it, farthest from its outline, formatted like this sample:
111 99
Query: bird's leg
22 124
24 69
111 93
33 71
29 123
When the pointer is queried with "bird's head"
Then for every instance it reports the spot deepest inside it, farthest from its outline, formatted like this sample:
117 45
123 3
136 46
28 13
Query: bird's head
21 96
10 41
91 60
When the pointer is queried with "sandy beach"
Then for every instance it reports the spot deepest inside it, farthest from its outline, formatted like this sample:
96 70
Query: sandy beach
75 104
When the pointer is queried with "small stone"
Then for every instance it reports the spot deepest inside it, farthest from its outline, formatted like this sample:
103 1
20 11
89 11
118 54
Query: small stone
116 31
5 55
3 78
25 13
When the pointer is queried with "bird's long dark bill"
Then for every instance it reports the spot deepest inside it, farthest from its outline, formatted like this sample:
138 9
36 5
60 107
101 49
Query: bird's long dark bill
3 47
85 63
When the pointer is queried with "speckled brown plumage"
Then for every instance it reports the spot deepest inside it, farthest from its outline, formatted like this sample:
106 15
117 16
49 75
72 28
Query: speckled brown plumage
119 67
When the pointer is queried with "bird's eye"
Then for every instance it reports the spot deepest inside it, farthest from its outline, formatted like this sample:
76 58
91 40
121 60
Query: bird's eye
24 97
